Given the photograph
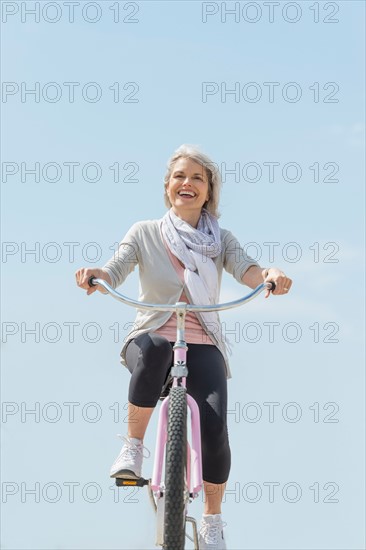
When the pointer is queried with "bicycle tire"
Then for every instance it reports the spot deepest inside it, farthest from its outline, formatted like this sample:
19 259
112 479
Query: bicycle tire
175 470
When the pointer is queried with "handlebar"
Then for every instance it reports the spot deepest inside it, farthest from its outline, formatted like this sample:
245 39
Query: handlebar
182 305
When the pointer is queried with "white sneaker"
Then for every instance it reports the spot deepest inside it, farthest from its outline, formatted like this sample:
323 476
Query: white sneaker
211 535
129 461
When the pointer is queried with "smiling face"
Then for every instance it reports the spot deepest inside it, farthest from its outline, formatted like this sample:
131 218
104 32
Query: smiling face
188 189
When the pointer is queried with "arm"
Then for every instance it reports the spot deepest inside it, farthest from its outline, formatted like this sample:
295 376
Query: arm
247 271
115 271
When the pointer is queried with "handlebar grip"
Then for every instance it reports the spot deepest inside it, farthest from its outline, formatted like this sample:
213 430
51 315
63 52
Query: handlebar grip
90 281
273 285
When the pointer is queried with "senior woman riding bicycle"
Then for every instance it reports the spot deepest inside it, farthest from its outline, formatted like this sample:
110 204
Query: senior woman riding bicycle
181 258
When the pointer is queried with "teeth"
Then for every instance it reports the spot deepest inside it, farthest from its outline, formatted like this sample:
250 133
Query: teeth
187 193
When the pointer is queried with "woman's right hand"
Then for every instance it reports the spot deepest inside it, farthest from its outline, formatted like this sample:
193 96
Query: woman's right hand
83 275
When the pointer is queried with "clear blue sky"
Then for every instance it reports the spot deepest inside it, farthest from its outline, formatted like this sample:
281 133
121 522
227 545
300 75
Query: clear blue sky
310 214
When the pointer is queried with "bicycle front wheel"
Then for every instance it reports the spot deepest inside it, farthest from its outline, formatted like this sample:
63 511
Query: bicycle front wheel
175 471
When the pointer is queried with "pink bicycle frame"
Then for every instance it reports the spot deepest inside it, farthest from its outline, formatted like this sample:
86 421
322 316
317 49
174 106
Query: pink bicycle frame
194 456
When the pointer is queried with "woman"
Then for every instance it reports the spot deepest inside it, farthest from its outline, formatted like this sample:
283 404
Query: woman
181 258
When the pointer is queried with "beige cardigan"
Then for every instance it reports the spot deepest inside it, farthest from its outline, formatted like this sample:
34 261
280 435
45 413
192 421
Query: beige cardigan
159 282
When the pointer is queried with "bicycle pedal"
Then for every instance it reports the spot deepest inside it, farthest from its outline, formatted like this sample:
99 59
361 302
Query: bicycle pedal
125 482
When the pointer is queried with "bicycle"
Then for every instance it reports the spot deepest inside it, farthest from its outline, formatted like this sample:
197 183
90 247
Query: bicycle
183 463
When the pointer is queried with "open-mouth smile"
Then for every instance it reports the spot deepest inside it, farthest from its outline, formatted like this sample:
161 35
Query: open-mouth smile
187 194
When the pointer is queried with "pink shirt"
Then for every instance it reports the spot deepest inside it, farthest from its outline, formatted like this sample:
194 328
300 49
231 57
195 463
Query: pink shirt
194 333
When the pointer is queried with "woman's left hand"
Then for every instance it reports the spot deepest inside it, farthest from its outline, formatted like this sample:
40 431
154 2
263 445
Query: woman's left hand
282 282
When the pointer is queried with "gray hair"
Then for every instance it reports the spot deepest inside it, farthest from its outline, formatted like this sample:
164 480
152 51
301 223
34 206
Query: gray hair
212 172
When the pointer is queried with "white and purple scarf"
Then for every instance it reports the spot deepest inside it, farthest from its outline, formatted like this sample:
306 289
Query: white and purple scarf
195 248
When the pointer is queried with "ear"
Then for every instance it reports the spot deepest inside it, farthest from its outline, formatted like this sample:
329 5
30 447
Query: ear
166 190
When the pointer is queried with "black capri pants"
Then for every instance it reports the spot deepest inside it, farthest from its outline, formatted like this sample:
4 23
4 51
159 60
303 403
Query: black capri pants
149 358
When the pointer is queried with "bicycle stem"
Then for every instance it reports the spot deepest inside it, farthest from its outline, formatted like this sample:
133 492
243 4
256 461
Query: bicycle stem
179 371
